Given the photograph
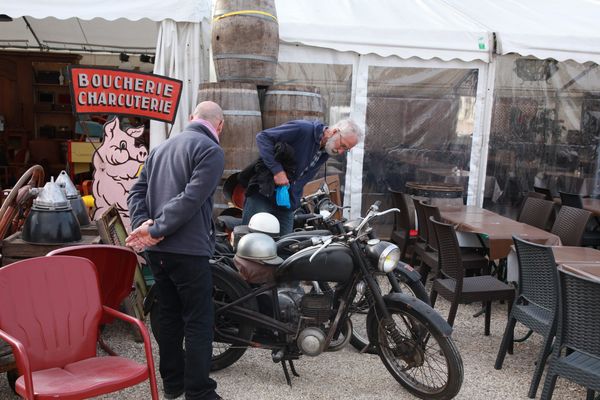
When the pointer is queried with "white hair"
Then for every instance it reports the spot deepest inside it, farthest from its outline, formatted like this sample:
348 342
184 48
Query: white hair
348 128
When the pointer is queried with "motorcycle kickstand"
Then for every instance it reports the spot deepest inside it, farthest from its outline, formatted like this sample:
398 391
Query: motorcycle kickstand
293 368
286 373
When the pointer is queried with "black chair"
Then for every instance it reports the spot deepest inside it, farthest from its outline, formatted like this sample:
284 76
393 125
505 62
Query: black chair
451 283
545 191
536 212
420 246
591 236
576 354
402 234
570 199
536 303
570 224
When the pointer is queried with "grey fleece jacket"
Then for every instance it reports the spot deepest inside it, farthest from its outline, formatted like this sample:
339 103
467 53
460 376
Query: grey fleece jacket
175 189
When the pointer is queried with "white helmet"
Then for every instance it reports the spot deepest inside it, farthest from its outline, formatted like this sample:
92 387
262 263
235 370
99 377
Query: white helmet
263 222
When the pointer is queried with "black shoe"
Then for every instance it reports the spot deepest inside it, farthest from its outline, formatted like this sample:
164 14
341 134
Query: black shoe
174 395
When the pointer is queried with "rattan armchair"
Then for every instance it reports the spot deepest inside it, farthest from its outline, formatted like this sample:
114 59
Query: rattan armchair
403 234
576 354
451 283
570 224
536 212
535 305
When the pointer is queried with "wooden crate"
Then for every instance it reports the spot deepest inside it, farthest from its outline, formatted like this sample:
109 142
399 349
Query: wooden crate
15 249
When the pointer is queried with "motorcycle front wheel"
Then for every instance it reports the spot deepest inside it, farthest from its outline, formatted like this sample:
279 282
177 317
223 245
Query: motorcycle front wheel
359 308
432 368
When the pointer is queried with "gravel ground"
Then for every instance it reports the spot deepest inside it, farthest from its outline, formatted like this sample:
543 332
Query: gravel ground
349 375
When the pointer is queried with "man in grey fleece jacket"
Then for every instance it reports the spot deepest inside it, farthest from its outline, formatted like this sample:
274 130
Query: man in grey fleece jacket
171 210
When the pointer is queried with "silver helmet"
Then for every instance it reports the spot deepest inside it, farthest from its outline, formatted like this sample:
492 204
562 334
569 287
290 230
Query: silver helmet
258 247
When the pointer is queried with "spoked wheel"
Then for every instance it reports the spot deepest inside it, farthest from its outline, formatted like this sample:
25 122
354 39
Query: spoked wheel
360 307
17 204
426 362
225 351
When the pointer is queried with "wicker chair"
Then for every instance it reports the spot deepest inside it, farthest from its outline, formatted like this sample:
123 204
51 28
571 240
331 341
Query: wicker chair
591 236
472 259
536 303
545 191
403 234
570 199
576 354
420 245
458 289
536 212
570 224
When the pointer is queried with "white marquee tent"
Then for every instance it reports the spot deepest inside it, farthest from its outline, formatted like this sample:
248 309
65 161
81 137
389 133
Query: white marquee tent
439 34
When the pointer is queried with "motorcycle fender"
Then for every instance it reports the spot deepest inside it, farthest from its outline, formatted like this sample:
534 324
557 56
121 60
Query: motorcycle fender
431 317
408 272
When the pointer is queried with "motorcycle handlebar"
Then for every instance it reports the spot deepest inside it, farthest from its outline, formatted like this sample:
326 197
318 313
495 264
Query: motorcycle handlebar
306 243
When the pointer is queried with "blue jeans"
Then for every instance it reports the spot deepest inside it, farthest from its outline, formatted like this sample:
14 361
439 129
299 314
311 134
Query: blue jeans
184 284
259 203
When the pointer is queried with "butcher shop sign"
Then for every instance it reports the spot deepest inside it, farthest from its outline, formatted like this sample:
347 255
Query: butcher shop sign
110 93
116 91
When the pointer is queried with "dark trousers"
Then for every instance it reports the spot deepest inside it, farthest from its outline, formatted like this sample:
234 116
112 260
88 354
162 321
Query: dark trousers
184 286
259 203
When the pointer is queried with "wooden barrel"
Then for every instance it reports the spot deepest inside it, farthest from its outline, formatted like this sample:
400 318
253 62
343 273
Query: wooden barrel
245 41
239 102
283 103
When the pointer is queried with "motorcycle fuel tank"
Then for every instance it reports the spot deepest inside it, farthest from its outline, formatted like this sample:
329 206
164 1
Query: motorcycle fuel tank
332 264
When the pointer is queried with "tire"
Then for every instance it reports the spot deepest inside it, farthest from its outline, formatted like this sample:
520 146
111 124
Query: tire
439 371
12 376
227 287
360 307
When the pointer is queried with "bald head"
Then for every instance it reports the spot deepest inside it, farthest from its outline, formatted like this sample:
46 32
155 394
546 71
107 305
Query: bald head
211 112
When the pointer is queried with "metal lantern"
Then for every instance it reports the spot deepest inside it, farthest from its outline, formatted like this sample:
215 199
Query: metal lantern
51 219
79 208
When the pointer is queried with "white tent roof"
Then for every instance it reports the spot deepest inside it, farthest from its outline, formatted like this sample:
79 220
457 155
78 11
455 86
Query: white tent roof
405 28
84 25
133 10
562 30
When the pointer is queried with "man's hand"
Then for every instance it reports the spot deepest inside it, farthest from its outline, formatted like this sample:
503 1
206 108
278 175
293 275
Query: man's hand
281 179
140 238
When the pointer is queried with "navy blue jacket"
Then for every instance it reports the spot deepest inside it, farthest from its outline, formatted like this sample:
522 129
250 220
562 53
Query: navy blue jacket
305 138
175 189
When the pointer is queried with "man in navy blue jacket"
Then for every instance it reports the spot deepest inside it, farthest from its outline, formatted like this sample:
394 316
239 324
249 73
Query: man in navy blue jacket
312 143
171 210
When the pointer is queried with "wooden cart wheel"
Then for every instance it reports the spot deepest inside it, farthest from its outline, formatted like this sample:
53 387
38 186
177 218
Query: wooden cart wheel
17 204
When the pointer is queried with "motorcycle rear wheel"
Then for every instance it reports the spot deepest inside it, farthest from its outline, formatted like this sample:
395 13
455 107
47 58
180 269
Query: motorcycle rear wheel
440 374
224 352
360 308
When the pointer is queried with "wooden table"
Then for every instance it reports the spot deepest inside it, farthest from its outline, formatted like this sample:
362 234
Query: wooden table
590 271
562 255
498 230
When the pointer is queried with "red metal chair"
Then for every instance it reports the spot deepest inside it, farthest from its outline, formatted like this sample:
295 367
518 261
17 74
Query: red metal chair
115 266
50 312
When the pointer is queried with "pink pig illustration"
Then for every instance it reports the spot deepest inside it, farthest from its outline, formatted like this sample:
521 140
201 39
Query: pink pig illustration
117 163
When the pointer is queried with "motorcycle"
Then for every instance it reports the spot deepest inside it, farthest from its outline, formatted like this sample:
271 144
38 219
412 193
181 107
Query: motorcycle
412 340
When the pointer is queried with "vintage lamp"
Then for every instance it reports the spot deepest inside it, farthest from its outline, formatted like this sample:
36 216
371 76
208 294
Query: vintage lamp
79 208
51 219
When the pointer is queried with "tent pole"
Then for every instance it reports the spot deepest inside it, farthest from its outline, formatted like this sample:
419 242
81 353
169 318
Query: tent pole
42 47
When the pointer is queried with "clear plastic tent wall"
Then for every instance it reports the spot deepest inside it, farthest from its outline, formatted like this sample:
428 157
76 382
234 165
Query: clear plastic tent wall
545 129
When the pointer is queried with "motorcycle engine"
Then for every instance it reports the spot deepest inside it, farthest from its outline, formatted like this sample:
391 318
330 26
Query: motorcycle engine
315 310
289 300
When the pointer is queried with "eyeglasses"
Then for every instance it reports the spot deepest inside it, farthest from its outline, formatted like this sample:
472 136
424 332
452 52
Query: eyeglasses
342 147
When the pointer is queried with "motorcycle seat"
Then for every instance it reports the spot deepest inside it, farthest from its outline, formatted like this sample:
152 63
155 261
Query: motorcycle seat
227 222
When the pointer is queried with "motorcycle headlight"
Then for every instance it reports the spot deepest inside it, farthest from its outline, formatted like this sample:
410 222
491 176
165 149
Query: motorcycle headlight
386 254
388 260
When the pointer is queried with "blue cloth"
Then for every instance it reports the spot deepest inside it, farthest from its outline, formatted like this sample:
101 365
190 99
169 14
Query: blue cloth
175 189
282 196
259 203
305 139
